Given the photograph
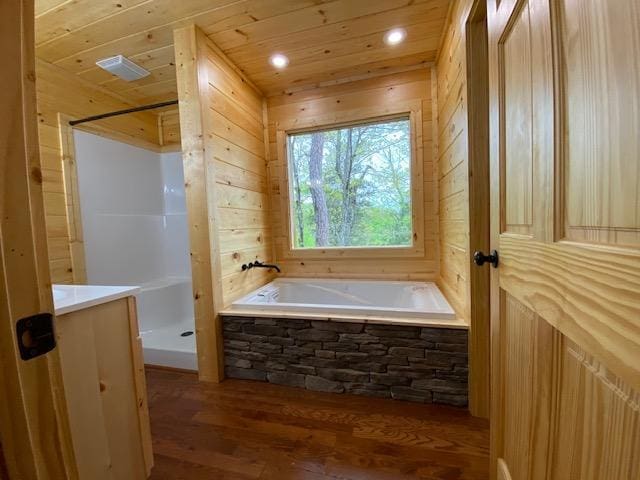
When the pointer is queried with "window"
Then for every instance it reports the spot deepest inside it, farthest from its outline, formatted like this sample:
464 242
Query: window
351 186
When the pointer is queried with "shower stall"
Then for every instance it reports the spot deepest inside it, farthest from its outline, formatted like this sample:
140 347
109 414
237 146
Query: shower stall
135 230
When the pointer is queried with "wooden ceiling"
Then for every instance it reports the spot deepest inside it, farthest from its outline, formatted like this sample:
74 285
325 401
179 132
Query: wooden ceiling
325 40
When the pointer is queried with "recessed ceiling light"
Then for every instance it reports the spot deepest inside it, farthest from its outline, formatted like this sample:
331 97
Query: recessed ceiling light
395 36
278 60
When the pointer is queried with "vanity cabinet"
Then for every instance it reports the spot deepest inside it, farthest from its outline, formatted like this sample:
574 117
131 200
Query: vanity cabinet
104 386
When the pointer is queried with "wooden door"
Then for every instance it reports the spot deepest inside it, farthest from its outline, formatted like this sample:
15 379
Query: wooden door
565 170
33 424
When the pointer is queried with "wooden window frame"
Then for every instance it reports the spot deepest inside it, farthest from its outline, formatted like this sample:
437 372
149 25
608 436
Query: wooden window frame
410 110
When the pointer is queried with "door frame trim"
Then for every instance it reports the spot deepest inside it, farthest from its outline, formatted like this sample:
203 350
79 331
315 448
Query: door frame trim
34 428
496 11
477 83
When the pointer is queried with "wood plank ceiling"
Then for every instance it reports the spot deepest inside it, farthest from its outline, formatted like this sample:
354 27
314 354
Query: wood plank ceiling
325 40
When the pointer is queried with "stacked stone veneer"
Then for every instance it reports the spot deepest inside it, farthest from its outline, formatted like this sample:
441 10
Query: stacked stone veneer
421 364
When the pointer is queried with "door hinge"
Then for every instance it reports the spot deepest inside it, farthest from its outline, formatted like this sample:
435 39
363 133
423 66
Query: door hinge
35 335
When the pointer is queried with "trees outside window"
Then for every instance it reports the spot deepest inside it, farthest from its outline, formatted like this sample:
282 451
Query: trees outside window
351 186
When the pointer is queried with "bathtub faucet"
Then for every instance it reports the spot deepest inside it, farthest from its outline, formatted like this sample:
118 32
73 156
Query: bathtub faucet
258 264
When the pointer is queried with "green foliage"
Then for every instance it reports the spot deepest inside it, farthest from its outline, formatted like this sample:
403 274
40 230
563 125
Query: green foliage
366 181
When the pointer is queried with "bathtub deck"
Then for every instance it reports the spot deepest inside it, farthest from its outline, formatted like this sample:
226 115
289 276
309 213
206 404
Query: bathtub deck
355 318
244 430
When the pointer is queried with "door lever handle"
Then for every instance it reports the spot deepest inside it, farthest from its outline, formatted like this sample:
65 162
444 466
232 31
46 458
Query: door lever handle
480 258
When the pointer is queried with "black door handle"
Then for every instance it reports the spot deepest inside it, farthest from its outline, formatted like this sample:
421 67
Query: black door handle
480 258
35 335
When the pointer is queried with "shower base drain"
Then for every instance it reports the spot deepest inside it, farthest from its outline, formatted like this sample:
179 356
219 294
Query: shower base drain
188 333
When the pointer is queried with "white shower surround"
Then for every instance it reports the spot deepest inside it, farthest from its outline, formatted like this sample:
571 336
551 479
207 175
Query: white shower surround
136 233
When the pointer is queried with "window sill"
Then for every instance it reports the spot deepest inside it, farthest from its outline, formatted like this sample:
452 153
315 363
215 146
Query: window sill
354 252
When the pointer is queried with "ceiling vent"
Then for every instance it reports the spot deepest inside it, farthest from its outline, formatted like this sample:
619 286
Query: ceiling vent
123 67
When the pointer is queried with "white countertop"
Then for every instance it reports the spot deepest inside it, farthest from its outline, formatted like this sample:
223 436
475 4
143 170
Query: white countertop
70 298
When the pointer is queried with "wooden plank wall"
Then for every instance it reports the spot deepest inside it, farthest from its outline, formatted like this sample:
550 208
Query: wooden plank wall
190 52
169 129
222 130
454 198
237 141
60 92
346 99
34 429
453 165
236 111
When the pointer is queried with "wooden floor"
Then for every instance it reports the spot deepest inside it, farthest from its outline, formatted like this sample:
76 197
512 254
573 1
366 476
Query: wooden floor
251 430
4 475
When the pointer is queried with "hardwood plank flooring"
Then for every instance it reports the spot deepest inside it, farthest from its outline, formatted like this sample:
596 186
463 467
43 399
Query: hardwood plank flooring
4 475
240 430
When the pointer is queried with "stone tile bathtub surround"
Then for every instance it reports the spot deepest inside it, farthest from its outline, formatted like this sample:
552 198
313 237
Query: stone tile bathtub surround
419 364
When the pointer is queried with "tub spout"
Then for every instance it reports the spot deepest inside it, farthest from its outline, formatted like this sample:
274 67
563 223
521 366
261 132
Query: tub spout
258 264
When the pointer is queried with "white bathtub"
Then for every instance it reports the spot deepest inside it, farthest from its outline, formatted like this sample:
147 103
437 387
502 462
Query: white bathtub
165 313
384 301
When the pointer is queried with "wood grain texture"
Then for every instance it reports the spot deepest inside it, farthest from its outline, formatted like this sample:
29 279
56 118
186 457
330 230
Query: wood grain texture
453 160
4 474
524 373
62 97
595 405
479 219
567 416
72 211
100 359
462 173
518 360
576 303
140 385
517 124
352 102
588 294
326 40
197 162
599 45
235 137
222 136
555 287
211 431
34 427
169 129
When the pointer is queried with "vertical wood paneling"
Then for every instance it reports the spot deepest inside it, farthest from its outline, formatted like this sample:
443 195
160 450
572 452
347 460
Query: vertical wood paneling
477 63
600 47
169 125
525 374
599 412
518 112
72 200
518 356
101 362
